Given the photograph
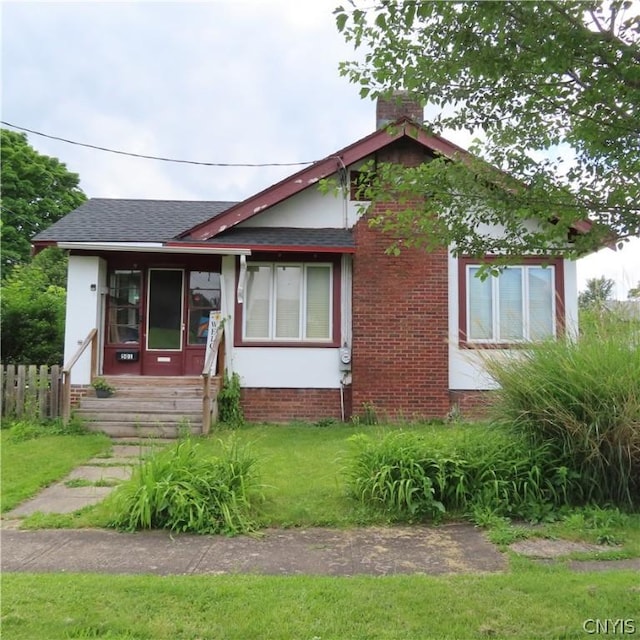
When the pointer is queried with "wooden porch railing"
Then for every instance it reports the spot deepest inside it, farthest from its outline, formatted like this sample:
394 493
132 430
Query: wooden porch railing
213 364
91 339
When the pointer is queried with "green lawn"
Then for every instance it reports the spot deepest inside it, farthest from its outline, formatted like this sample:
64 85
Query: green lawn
530 602
301 467
33 464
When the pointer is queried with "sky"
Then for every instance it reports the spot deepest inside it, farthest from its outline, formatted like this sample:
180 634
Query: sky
224 81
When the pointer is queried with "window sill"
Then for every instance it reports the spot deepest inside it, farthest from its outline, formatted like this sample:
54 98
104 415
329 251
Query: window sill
481 346
299 344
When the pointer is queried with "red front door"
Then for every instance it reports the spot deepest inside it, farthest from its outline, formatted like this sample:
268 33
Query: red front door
163 351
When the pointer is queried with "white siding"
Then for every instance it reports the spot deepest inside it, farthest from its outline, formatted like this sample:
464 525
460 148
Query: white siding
86 291
288 367
309 209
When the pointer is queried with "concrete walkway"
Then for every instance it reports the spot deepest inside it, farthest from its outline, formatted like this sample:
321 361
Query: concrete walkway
315 551
88 484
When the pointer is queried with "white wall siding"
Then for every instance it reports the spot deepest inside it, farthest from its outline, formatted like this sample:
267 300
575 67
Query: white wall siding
571 296
288 367
84 309
228 304
309 209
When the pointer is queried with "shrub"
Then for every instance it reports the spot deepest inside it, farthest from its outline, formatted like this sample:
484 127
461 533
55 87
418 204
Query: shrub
32 310
183 490
229 407
582 400
486 469
22 430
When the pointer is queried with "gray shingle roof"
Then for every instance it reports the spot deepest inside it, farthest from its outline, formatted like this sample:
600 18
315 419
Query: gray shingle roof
111 220
284 237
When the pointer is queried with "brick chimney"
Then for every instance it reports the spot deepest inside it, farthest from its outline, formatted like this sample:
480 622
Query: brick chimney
400 104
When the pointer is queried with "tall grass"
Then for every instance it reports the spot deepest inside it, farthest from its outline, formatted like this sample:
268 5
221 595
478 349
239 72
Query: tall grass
582 399
182 489
408 475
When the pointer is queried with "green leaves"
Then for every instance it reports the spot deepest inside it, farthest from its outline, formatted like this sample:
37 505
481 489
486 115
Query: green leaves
183 490
556 81
37 190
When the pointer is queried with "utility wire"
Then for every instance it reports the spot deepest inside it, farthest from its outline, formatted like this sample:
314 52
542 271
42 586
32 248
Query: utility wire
147 157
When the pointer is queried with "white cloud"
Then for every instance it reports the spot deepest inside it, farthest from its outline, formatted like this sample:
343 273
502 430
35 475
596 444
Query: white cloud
220 81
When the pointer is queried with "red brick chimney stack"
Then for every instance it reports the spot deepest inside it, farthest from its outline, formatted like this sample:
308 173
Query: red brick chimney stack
400 104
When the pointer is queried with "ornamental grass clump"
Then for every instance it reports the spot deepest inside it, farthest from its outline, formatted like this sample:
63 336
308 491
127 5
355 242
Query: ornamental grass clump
581 399
484 469
183 490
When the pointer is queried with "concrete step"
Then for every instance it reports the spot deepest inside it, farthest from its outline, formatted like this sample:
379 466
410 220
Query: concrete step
147 406
137 416
144 404
143 430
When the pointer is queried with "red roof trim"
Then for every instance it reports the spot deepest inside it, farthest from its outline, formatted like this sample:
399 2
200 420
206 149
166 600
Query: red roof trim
265 247
322 169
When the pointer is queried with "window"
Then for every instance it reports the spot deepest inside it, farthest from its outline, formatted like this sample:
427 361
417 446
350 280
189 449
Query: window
515 306
288 303
124 307
204 297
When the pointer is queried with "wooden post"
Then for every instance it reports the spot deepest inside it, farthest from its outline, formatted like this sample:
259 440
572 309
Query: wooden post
66 396
31 392
94 356
10 391
206 404
54 406
43 392
22 381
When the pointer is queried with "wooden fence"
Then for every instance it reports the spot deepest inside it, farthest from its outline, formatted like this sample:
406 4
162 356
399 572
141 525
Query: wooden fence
30 391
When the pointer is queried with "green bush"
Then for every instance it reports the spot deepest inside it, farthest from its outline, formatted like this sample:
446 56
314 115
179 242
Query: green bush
229 407
26 429
582 400
183 490
487 469
32 311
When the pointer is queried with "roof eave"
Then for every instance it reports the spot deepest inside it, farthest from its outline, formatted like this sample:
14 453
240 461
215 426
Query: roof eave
403 128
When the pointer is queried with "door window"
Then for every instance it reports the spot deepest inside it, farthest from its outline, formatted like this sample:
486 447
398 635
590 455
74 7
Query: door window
124 307
164 317
204 297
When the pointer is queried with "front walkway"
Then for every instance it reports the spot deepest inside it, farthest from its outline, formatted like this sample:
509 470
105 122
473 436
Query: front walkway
456 548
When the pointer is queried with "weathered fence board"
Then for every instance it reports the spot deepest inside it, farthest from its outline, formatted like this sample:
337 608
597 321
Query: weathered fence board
30 391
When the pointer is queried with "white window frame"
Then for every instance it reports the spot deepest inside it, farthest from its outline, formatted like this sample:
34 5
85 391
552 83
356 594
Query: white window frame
495 305
302 321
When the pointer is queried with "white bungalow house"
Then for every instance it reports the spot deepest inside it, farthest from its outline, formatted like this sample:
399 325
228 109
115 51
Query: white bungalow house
319 321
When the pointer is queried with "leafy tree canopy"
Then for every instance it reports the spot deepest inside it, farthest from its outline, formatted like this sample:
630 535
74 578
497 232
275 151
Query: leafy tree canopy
634 292
596 293
32 310
552 88
37 190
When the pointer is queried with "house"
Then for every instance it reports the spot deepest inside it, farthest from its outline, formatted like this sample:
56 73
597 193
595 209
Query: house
319 321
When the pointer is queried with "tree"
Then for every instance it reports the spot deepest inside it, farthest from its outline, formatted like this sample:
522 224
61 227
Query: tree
553 90
32 310
598 291
37 190
634 292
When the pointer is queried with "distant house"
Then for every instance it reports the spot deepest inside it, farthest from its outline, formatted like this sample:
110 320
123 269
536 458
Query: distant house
320 321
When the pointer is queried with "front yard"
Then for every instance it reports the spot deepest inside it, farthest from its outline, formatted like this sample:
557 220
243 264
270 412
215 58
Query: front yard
303 484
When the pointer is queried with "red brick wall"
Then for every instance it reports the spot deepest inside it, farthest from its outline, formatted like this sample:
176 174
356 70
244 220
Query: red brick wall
78 391
400 329
285 405
471 404
399 105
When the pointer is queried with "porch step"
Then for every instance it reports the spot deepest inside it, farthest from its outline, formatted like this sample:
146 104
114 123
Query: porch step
147 406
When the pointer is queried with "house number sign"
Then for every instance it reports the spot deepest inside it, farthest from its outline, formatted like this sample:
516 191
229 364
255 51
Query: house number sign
127 356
